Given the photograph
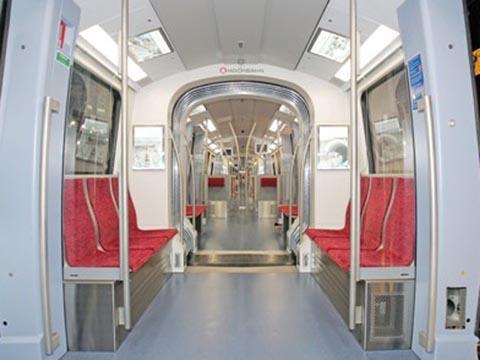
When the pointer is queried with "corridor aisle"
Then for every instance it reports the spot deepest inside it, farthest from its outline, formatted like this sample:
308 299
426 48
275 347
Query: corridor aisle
242 230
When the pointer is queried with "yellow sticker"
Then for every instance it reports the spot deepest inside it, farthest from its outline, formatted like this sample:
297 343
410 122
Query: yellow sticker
476 59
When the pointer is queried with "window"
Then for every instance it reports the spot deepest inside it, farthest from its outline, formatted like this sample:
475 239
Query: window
388 125
92 121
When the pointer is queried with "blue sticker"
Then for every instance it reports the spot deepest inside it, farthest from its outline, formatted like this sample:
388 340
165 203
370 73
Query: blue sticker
417 80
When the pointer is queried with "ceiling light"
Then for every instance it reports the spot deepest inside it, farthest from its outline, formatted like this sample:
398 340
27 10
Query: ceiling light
149 45
286 110
210 125
105 45
275 125
331 46
381 38
199 109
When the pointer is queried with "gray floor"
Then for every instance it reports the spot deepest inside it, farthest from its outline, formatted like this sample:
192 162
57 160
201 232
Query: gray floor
241 316
242 230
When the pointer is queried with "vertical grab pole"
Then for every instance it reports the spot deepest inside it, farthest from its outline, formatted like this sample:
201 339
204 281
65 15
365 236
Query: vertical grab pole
192 189
432 170
182 182
354 181
290 184
50 106
123 176
302 185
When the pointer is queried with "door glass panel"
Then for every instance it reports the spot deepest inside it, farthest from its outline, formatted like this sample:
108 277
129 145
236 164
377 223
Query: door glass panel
388 215
92 118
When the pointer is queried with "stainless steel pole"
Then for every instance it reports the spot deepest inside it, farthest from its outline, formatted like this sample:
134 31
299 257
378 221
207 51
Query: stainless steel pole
123 176
192 189
50 106
354 179
182 182
432 289
302 185
290 184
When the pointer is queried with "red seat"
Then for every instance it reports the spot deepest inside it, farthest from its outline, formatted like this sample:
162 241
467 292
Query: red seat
82 246
268 182
134 230
398 240
216 182
285 210
100 192
372 221
199 210
345 231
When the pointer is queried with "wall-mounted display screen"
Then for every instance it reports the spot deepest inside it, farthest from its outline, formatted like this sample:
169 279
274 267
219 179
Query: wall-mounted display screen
148 148
332 147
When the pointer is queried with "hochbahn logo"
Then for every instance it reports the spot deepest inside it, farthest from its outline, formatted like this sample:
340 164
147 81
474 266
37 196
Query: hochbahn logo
240 69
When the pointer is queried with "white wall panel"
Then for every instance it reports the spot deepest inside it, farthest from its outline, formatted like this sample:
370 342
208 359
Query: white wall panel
153 106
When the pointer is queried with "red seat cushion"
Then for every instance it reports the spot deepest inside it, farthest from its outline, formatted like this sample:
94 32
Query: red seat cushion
199 210
138 258
216 182
285 210
268 182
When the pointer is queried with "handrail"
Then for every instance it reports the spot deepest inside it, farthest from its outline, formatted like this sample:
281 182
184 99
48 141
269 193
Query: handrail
182 181
432 293
354 177
123 175
302 170
290 185
50 106
193 189
247 174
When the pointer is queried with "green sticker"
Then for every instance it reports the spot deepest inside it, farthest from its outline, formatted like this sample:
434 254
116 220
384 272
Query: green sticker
63 59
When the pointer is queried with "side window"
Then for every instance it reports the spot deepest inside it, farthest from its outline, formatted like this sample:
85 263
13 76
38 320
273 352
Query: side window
92 122
388 125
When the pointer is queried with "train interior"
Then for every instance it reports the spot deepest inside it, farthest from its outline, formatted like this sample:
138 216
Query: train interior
239 179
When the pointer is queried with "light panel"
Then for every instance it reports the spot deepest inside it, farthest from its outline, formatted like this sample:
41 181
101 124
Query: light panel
210 125
105 45
381 38
331 46
198 110
286 110
149 45
275 125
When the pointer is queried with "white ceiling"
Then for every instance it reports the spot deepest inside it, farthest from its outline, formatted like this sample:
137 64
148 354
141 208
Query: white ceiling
242 114
107 14
205 32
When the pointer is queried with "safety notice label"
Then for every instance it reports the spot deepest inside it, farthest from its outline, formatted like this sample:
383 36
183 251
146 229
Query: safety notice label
417 81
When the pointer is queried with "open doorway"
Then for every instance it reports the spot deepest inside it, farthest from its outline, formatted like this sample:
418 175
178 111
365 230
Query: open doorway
241 154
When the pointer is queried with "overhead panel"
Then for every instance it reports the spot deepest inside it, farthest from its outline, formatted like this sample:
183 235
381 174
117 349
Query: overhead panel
371 14
240 29
288 28
191 27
